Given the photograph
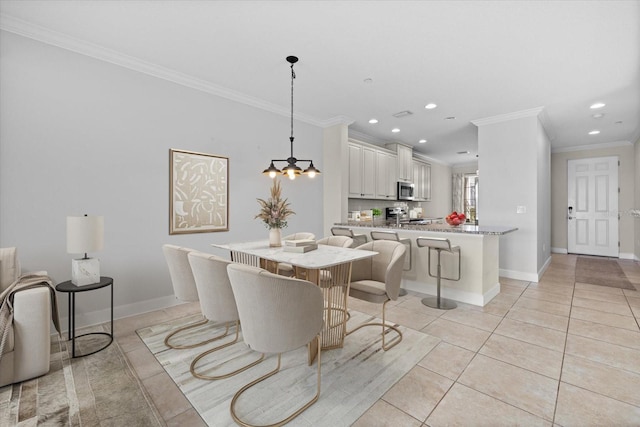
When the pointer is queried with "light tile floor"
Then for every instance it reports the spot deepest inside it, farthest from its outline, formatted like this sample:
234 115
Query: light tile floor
550 353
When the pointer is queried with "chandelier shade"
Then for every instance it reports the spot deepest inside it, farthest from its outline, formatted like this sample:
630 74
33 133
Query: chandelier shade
292 170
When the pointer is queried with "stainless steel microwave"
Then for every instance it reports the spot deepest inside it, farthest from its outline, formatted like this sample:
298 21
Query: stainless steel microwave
405 191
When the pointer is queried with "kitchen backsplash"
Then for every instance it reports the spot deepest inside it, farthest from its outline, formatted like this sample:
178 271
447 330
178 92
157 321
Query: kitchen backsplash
367 205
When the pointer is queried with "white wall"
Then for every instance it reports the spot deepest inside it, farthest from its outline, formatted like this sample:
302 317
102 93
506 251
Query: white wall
636 205
509 151
78 135
544 199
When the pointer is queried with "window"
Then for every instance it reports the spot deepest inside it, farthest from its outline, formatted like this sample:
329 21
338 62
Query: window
471 197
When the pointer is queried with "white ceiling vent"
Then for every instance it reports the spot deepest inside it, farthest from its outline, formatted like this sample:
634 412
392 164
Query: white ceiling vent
402 114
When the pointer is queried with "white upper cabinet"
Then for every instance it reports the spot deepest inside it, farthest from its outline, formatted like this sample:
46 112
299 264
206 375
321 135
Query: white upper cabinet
386 175
362 171
422 180
405 166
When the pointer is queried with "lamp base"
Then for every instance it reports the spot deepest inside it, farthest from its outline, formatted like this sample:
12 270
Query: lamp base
85 271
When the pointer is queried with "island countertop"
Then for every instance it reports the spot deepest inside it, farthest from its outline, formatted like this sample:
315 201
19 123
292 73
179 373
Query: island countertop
444 228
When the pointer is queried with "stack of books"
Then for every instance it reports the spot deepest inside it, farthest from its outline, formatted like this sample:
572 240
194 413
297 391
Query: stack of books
300 246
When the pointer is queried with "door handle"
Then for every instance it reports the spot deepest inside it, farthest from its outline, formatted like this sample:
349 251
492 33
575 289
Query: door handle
569 217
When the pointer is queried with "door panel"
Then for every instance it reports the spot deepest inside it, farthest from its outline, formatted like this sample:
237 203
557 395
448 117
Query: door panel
592 220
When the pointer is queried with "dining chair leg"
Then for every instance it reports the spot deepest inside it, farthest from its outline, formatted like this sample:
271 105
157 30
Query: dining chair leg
386 328
264 377
198 344
192 368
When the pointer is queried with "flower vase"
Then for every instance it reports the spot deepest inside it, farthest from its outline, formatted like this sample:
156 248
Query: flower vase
275 239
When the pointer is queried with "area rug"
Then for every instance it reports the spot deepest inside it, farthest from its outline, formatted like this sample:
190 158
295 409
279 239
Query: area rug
602 272
353 377
97 390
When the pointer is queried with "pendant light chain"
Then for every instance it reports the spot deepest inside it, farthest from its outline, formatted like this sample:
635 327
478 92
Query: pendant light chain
293 76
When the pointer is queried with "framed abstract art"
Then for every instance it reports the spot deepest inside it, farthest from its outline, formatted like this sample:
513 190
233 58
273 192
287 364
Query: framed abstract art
198 192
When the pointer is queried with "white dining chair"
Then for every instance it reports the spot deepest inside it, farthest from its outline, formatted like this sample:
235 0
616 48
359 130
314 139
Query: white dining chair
278 314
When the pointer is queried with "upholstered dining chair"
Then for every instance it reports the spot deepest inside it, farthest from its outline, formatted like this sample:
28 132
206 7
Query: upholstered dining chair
273 323
377 280
287 269
184 288
341 241
217 304
325 275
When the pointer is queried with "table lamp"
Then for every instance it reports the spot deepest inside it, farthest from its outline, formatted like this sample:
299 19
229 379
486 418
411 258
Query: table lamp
85 234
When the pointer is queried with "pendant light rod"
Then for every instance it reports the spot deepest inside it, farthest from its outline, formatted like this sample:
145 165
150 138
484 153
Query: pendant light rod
292 169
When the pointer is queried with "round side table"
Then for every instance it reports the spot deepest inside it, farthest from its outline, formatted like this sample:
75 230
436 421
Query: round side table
72 290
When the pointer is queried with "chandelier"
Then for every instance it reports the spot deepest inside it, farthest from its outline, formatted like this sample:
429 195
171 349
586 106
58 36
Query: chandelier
291 169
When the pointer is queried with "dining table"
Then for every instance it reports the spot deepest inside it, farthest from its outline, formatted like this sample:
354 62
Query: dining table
329 267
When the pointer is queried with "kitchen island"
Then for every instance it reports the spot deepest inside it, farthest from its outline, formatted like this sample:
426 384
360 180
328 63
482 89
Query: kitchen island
479 255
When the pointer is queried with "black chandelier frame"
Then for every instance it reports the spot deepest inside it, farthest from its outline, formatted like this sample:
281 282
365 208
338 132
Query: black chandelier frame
291 169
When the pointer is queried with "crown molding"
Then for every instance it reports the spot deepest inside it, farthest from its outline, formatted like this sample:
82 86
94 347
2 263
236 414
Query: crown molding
419 156
338 120
64 41
363 137
533 112
612 144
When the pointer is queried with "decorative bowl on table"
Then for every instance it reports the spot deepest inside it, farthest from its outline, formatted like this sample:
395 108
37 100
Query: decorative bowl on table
454 219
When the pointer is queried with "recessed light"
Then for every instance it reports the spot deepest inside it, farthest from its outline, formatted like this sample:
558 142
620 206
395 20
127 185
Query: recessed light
450 118
430 106
594 132
395 130
597 105
373 121
598 116
422 141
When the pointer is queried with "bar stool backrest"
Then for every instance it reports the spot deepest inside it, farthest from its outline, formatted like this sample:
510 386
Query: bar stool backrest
385 235
434 242
342 231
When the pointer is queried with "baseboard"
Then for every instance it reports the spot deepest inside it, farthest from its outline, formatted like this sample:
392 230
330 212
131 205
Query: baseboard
519 275
491 293
544 267
101 316
559 250
626 255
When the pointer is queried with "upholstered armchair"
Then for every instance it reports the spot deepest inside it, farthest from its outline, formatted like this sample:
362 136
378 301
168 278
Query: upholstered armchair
378 280
27 348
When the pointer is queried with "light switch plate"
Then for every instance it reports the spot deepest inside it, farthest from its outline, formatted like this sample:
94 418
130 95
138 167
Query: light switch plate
521 209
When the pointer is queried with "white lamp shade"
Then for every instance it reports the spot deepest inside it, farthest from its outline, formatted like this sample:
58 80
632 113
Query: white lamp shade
84 234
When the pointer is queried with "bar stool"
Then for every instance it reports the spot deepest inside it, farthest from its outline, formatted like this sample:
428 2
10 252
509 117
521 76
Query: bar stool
358 239
392 235
439 244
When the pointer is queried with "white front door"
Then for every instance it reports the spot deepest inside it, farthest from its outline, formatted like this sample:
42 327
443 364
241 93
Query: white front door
592 209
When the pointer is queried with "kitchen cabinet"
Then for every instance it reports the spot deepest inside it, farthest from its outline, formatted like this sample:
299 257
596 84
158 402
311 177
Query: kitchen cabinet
422 180
362 172
386 175
404 162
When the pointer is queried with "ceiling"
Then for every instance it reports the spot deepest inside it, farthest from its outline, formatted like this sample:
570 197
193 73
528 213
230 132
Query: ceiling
371 59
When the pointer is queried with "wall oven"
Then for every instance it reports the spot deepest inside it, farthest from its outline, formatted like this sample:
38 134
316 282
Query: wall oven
405 191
